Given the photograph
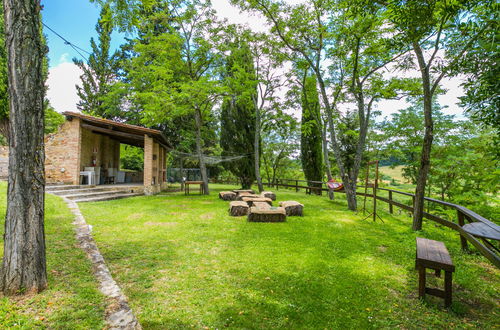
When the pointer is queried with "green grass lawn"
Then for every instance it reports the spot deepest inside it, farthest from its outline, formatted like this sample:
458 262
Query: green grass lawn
72 300
183 262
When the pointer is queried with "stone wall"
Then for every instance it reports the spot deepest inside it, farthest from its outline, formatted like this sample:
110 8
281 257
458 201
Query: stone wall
62 150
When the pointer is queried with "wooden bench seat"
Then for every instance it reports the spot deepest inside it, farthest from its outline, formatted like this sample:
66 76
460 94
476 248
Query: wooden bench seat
434 255
238 209
227 195
251 200
272 214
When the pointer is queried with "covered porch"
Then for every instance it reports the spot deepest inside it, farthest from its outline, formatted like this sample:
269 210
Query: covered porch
92 153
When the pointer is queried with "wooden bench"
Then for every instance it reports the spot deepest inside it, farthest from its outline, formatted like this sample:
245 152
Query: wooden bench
434 255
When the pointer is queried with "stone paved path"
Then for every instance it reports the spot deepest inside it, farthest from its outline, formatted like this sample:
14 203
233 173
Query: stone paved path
118 312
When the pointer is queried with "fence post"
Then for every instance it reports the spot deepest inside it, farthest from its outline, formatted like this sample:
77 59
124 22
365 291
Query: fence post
461 222
391 209
296 185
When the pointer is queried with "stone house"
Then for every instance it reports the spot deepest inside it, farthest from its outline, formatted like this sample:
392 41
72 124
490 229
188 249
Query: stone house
87 148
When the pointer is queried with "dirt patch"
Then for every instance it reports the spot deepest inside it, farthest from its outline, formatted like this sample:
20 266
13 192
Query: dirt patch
178 214
207 216
162 224
135 216
382 248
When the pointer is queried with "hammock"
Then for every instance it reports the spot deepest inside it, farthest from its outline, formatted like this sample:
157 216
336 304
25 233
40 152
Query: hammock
334 185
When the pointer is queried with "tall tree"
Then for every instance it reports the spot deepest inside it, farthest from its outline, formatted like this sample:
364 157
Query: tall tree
4 93
311 136
99 71
424 26
354 53
238 113
24 265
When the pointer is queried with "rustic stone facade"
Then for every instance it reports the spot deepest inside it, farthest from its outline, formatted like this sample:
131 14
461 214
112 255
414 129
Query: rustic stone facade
76 146
62 154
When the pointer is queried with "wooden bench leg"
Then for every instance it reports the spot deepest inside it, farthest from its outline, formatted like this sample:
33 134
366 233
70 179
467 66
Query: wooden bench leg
447 288
438 272
421 282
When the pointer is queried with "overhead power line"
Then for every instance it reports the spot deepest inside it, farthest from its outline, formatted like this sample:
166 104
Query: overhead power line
75 47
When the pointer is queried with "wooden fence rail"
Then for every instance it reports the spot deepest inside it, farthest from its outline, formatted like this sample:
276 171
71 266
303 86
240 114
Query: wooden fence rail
463 213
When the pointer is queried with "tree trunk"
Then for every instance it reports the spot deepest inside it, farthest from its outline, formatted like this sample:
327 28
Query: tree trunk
24 266
350 192
199 151
326 158
418 205
257 146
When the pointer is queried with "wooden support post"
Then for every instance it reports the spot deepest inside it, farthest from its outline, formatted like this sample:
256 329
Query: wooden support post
421 281
447 288
461 222
296 185
391 207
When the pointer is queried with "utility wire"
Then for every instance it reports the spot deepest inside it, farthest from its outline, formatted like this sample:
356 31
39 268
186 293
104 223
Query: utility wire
75 47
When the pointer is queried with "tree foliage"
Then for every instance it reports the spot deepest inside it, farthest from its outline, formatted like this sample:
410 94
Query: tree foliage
310 138
238 113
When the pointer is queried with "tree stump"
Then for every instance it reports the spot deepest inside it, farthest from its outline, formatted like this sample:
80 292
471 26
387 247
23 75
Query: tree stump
238 209
240 196
273 214
239 191
261 205
292 208
251 200
268 194
227 195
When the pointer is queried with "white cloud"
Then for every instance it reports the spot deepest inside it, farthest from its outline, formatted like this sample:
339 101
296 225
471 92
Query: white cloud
64 58
61 86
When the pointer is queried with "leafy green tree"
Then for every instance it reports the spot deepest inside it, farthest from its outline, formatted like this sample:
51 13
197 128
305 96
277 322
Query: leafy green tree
238 113
311 136
99 72
53 119
354 44
424 25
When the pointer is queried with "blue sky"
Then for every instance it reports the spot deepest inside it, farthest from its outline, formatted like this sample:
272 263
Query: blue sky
75 20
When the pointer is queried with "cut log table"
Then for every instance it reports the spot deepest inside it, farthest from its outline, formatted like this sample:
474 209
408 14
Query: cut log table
238 209
293 208
251 200
273 214
434 255
227 195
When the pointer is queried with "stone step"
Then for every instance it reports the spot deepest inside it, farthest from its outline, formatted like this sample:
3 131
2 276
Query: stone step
96 194
106 198
81 191
66 187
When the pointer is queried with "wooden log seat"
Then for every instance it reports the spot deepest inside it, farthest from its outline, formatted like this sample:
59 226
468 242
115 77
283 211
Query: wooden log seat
251 200
227 195
240 196
238 209
268 194
239 191
273 214
434 255
293 208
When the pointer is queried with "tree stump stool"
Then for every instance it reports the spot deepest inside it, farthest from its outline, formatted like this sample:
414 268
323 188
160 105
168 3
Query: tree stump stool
240 196
239 191
293 208
434 255
261 205
251 200
273 214
227 195
238 209
268 194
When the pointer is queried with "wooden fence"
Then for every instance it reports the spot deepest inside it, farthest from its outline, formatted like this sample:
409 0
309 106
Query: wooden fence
486 248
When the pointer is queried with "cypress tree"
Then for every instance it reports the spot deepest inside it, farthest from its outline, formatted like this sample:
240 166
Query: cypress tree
99 72
238 114
311 138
